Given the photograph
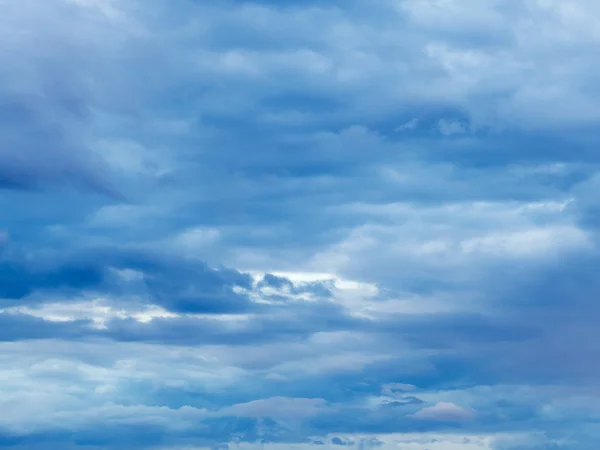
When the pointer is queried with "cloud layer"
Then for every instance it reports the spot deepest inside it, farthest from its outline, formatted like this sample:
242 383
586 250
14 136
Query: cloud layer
297 225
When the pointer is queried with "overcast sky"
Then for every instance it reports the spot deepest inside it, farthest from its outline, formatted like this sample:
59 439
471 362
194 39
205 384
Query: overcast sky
361 224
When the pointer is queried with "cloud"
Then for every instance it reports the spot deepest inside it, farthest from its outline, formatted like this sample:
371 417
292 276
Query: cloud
16 327
410 125
395 389
341 223
450 127
46 101
277 407
102 270
339 441
444 412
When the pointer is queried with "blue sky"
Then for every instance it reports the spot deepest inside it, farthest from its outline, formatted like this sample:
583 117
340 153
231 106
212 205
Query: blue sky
299 224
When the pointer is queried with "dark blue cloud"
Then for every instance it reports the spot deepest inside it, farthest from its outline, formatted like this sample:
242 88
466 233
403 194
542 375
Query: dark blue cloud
16 327
175 284
339 441
18 279
275 281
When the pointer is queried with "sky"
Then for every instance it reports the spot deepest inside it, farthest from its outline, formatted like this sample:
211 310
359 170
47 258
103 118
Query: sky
299 224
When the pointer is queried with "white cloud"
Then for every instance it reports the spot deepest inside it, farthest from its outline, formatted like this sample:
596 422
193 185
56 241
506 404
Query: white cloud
97 310
410 125
445 412
451 239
